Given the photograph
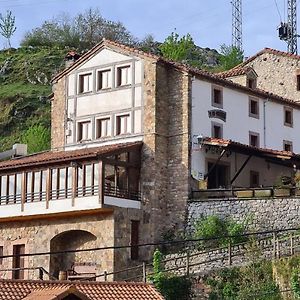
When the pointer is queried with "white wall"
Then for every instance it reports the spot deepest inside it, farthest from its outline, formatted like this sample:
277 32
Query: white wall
237 126
105 103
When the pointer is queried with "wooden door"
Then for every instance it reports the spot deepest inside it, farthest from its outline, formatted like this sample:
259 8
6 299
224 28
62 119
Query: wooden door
18 261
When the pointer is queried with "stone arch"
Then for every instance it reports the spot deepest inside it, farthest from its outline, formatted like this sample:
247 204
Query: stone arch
69 240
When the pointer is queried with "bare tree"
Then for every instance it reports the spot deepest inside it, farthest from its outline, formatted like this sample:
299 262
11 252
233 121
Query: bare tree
7 26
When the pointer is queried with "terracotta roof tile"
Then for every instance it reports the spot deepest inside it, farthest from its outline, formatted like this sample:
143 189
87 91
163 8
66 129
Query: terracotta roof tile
18 289
53 157
230 143
235 72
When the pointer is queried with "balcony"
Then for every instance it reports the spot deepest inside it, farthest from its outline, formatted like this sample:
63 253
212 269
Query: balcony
76 185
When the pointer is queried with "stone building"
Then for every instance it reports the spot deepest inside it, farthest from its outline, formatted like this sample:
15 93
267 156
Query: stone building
271 70
134 137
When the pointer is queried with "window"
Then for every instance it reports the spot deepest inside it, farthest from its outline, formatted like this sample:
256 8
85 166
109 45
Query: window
298 82
254 139
18 261
216 130
103 128
123 75
217 97
104 79
288 116
84 132
134 239
254 179
251 83
288 146
123 124
253 108
85 83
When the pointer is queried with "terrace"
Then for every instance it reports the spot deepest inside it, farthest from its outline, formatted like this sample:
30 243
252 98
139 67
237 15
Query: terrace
67 181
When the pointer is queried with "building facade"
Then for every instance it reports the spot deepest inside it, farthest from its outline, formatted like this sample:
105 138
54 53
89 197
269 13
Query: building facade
133 136
271 70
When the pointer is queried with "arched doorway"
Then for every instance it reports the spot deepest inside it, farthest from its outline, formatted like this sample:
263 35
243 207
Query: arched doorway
69 240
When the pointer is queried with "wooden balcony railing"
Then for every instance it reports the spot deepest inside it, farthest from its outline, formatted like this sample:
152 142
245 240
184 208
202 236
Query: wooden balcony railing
86 191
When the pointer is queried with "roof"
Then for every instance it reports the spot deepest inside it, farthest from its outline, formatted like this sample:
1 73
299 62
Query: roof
270 51
55 293
236 72
202 74
56 157
248 149
19 289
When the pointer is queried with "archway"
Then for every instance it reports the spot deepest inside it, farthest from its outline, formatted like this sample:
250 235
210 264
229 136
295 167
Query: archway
69 240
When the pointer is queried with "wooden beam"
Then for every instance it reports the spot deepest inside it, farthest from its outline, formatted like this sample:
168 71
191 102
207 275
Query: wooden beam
74 183
240 169
216 162
48 186
23 190
101 182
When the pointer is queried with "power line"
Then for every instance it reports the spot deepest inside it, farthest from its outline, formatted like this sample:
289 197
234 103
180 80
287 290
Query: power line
276 4
150 244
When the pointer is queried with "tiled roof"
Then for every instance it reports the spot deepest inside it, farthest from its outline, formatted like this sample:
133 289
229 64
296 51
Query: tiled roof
236 72
237 145
55 293
270 51
19 289
53 157
202 74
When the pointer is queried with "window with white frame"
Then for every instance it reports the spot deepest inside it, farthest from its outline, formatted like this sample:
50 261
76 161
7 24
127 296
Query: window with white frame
104 79
254 139
85 83
123 124
84 131
123 75
103 127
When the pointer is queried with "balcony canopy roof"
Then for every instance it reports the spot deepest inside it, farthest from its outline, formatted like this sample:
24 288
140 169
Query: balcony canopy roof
281 157
62 157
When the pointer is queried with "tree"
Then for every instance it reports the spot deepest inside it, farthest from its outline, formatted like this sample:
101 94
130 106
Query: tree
81 32
231 57
37 137
7 26
178 49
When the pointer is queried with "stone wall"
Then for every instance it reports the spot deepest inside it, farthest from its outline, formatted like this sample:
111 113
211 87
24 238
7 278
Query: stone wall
58 111
277 74
263 214
38 237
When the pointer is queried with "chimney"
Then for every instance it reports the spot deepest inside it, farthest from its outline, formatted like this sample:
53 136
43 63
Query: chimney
71 57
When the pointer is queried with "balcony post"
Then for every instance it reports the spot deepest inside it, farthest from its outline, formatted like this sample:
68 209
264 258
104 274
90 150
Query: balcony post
101 182
74 183
23 190
48 187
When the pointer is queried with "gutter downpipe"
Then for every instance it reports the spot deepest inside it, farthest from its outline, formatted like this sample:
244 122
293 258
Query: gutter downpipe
265 129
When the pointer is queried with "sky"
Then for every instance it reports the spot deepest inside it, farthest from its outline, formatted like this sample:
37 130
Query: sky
209 22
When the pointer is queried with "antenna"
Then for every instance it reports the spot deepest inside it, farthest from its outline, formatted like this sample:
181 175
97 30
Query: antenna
237 40
288 31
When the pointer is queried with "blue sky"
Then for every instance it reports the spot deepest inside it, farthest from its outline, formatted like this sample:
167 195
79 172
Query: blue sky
208 21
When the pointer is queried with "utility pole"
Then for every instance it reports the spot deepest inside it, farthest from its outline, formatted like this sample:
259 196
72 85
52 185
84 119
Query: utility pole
288 31
237 38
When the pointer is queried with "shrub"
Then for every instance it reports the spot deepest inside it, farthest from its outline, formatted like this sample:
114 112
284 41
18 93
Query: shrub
214 228
170 286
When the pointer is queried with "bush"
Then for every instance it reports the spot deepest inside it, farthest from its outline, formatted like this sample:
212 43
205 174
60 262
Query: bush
170 286
211 227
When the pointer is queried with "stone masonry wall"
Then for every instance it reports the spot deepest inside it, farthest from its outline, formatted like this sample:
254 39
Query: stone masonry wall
58 114
277 74
263 214
37 236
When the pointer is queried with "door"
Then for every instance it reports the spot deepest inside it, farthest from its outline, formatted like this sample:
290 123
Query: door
18 261
218 177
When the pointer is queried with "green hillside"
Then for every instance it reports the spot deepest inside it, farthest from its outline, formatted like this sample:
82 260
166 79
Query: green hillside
25 76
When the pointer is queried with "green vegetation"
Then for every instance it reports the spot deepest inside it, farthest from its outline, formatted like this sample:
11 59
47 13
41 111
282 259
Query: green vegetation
170 286
254 281
214 227
230 57
25 75
7 26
